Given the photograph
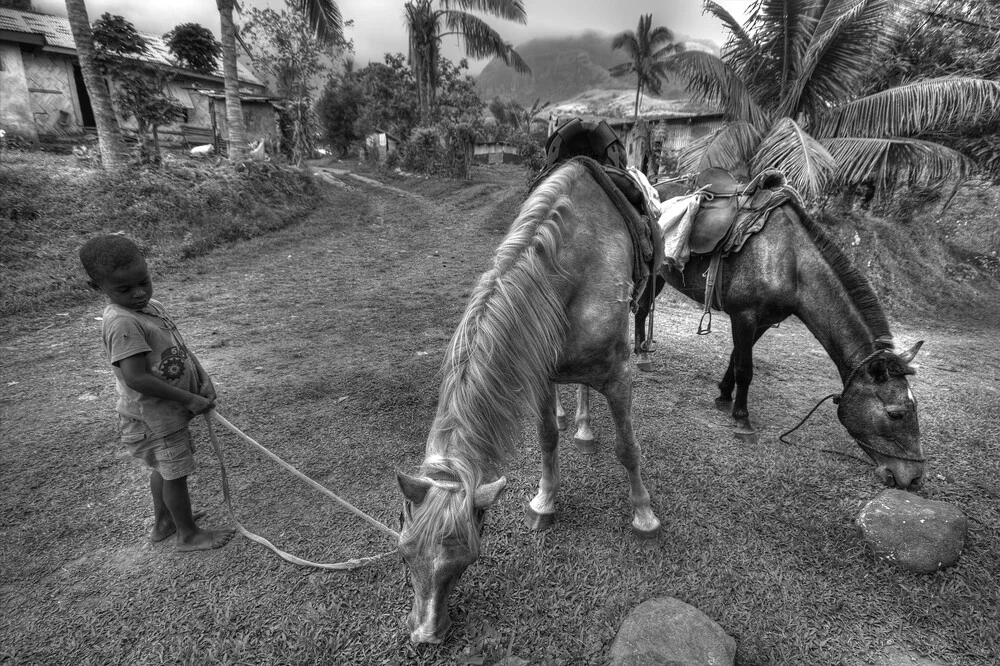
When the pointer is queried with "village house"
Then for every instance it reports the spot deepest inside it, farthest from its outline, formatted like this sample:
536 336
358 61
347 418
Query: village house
42 94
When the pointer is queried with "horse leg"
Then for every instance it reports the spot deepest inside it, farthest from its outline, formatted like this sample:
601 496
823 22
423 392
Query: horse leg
642 349
584 437
619 394
745 334
560 412
726 386
541 510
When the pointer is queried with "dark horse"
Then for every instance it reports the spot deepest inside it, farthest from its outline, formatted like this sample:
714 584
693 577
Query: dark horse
555 307
791 267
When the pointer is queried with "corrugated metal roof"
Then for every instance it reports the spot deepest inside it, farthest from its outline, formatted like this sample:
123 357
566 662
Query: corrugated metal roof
57 33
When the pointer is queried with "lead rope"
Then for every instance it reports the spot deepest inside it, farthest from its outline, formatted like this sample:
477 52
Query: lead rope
836 400
347 564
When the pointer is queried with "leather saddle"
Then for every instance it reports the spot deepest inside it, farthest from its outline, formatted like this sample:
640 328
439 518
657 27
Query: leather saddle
599 141
717 213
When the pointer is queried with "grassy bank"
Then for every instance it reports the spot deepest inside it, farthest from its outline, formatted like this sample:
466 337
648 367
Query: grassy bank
50 204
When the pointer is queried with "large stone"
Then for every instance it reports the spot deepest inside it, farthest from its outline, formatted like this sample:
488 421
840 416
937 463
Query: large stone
917 534
669 632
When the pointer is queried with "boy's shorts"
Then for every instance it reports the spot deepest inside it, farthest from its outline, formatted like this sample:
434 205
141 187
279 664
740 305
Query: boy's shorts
171 455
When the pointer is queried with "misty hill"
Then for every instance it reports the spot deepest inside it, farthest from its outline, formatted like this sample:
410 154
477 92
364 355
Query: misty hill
564 68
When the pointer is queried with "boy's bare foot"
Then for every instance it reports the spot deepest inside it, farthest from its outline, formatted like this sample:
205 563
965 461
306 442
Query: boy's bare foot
161 532
206 540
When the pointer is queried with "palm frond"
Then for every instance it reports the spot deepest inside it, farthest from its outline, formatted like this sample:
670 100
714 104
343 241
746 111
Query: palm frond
729 147
738 34
806 163
509 10
712 81
892 162
851 38
482 41
323 17
914 108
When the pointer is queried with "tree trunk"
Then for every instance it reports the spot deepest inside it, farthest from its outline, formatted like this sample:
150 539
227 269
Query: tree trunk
234 110
114 154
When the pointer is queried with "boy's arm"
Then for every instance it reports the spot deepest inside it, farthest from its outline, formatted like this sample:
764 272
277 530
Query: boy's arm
137 378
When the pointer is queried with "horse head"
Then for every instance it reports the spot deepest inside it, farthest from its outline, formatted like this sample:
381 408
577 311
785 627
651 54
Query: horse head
440 532
878 409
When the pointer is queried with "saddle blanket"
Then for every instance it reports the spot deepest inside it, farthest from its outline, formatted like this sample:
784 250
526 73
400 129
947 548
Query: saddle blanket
675 219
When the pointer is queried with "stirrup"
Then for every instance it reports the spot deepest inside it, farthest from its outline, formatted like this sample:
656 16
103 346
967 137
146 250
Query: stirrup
648 346
707 329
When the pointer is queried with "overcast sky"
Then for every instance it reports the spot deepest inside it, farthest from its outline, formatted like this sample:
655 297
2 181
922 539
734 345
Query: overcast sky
379 27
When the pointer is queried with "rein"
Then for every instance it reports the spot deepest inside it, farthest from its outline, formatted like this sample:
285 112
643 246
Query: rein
836 400
347 564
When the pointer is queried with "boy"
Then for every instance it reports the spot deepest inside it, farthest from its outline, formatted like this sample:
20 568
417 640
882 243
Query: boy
161 386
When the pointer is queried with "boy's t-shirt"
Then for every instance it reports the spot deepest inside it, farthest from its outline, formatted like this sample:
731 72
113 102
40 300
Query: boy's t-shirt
149 331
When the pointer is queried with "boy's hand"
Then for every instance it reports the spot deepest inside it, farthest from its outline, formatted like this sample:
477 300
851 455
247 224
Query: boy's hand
198 404
207 389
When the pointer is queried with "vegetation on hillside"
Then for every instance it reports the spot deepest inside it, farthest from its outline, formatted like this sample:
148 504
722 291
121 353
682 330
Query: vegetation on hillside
49 206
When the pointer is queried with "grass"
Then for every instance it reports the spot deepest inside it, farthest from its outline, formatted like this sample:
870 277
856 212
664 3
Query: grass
51 205
325 340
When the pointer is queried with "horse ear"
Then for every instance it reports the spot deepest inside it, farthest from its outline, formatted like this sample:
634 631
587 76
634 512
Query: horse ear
908 355
413 488
487 494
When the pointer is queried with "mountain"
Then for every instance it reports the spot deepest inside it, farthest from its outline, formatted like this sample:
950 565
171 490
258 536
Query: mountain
565 68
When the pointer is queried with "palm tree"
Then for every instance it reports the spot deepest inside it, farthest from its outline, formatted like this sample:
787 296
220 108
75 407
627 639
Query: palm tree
791 86
647 49
114 155
324 18
428 26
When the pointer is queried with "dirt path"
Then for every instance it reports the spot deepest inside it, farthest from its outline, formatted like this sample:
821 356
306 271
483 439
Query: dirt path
324 341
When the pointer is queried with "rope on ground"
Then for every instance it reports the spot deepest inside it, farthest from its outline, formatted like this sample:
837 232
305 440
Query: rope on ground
348 564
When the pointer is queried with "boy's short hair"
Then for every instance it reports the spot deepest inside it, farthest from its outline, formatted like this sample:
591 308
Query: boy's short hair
103 255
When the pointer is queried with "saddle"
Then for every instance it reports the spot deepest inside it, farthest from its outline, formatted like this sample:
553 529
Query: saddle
596 140
718 209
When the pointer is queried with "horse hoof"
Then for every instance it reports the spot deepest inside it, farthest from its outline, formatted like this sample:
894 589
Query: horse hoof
561 422
723 404
746 436
644 365
538 521
647 536
587 447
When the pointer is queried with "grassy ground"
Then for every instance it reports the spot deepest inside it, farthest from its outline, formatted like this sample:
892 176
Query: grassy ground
325 338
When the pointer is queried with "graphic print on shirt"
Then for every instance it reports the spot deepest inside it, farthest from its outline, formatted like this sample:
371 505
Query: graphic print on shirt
172 362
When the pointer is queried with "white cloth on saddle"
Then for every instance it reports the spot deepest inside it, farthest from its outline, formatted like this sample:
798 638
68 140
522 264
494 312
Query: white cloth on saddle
676 219
648 191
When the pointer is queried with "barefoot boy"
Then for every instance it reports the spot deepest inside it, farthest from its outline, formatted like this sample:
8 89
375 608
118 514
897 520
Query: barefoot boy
161 386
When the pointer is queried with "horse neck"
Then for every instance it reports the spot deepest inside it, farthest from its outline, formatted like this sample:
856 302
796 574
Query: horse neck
833 317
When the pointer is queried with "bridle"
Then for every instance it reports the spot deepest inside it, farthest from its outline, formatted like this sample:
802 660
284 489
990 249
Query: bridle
900 455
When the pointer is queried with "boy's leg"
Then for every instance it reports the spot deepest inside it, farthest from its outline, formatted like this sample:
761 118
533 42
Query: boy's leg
163 522
189 535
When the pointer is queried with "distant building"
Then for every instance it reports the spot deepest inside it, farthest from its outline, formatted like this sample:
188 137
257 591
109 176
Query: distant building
665 135
380 144
496 152
42 93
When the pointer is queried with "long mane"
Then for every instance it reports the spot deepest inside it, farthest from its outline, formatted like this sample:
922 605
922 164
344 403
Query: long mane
506 346
857 286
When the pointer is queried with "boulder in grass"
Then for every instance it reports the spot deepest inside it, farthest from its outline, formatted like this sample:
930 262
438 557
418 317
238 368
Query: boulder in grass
917 534
670 632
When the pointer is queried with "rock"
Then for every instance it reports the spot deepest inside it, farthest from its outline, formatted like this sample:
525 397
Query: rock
669 632
918 534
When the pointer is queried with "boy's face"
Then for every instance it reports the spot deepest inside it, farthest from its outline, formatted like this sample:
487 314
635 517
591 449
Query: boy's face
129 287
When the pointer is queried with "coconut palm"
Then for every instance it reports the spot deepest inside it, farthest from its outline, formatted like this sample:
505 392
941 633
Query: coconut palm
428 26
790 83
647 49
114 154
324 18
